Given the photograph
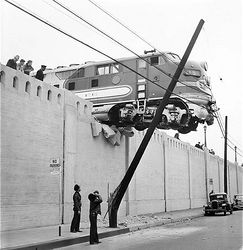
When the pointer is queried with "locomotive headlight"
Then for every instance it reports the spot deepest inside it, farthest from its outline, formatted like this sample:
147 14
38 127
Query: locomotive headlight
192 72
204 65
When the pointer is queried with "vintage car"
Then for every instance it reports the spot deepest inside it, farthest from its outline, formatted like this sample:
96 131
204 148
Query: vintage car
218 203
238 201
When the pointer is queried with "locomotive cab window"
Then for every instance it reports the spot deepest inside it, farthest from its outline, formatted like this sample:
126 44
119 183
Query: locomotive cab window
157 60
94 83
114 68
78 73
71 86
154 60
64 74
107 69
102 70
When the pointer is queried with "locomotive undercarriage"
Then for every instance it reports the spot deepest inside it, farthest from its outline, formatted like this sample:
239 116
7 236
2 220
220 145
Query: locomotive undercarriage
176 115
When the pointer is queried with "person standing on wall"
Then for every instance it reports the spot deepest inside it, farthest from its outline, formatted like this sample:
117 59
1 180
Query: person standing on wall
28 67
12 63
95 200
39 74
20 65
76 209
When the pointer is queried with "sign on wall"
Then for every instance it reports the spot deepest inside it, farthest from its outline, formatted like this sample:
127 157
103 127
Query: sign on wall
210 181
55 166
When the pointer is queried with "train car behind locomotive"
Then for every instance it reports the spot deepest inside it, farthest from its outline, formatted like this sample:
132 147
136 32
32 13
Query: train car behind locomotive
124 98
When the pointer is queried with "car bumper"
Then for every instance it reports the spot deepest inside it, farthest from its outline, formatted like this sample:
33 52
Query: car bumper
238 206
218 210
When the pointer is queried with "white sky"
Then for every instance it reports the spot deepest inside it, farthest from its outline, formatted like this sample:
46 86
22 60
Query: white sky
167 24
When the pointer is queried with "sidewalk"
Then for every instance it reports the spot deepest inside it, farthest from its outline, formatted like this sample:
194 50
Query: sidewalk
48 237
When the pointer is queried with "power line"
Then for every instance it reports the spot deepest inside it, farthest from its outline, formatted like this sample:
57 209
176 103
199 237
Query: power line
223 133
91 47
65 33
222 129
141 38
122 45
126 27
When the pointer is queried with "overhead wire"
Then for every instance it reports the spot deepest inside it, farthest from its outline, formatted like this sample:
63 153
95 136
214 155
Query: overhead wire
148 43
219 120
133 32
220 78
221 125
122 45
91 47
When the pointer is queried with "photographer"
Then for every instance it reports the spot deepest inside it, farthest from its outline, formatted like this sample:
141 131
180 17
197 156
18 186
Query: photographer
95 200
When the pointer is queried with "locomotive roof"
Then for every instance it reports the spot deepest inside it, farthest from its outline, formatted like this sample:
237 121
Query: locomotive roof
131 57
89 63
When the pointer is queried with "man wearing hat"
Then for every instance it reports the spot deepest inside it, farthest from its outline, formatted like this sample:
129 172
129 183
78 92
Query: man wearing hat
39 74
94 210
76 209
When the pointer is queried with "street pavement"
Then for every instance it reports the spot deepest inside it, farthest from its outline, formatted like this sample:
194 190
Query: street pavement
48 237
216 232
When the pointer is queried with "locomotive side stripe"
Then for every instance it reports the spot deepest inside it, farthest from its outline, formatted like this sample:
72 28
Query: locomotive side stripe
104 93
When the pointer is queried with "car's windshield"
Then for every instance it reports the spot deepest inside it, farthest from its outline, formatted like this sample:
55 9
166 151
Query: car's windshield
217 197
239 197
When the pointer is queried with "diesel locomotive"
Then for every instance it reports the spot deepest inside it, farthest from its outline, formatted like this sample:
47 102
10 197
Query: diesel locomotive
127 92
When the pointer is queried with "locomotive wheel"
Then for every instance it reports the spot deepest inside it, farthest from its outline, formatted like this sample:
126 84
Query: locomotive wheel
192 126
140 126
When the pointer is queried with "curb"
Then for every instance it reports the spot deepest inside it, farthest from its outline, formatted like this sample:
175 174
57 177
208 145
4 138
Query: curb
72 241
65 242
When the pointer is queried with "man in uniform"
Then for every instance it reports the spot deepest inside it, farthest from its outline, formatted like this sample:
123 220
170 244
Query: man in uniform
76 209
39 74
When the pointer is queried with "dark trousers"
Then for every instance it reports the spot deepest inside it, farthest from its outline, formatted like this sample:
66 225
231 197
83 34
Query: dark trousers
75 222
93 237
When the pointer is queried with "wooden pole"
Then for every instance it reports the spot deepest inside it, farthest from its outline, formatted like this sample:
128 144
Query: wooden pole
122 187
225 155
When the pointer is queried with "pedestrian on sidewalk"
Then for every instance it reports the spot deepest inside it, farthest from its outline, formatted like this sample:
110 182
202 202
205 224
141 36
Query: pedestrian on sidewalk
94 210
76 209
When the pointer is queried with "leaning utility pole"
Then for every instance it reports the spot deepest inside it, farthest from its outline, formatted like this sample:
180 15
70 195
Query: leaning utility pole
116 197
225 154
235 154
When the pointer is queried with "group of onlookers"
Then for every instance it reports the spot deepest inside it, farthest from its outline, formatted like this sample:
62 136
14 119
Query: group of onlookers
25 67
201 146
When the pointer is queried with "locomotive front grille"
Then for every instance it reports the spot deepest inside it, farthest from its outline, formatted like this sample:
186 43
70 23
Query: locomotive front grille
214 204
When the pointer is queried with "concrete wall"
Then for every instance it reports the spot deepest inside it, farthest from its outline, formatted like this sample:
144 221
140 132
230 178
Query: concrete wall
34 129
31 134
